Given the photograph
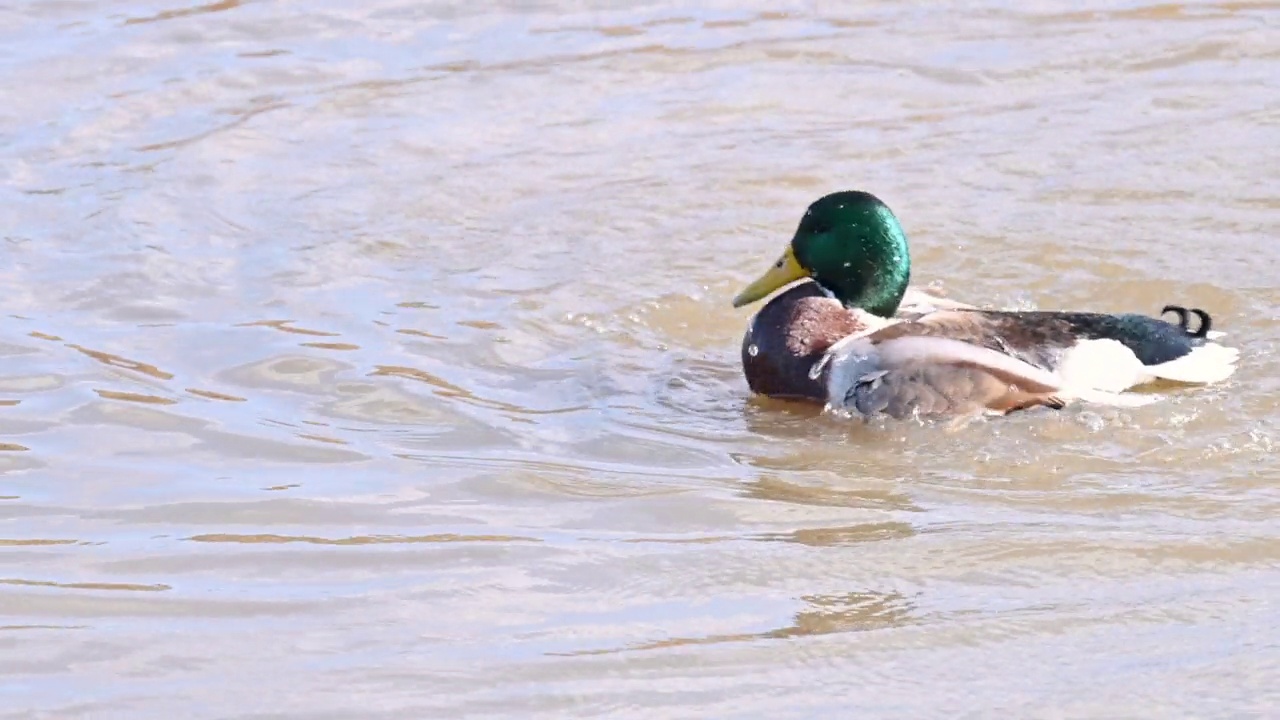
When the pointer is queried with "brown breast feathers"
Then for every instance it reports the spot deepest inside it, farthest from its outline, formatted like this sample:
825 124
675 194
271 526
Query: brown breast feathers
788 336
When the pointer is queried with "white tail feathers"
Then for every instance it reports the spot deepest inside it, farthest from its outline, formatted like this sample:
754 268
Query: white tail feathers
1208 363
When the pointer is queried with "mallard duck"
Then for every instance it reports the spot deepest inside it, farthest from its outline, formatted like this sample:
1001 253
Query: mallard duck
844 336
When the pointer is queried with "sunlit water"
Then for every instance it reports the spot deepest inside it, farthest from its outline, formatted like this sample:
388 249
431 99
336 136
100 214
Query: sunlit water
373 360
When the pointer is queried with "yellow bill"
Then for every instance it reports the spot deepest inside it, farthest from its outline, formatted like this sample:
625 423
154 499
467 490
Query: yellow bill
785 270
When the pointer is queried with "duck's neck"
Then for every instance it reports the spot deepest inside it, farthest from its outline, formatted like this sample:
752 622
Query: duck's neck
879 296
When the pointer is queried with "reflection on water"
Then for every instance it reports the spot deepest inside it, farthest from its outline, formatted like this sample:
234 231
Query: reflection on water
376 360
828 614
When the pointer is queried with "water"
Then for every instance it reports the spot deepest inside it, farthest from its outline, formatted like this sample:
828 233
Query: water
376 360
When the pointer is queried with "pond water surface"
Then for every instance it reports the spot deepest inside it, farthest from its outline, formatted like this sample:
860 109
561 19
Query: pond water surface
375 360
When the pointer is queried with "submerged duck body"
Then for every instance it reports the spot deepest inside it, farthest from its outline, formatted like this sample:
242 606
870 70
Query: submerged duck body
845 337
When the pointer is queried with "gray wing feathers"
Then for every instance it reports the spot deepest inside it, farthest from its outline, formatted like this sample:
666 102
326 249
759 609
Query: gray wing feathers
927 389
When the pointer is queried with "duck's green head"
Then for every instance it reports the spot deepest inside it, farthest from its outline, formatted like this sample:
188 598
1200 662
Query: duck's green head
852 245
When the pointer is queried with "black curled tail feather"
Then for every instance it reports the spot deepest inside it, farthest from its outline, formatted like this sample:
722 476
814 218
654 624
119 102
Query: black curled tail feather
1206 323
1181 312
1184 320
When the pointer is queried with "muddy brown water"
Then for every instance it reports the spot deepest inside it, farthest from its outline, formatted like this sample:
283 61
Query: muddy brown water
375 360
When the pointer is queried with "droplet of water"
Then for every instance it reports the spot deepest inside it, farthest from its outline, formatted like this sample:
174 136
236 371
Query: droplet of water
752 350
1092 420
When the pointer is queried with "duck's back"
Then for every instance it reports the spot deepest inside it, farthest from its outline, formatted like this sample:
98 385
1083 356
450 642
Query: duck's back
1041 338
